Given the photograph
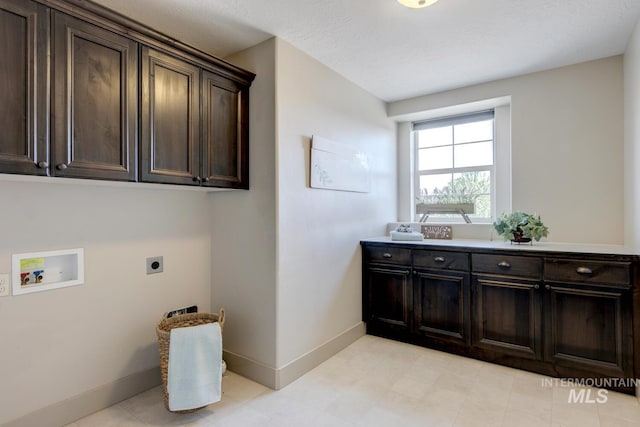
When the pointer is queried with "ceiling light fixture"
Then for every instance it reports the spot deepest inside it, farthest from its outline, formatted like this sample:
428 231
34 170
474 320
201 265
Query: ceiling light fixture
416 4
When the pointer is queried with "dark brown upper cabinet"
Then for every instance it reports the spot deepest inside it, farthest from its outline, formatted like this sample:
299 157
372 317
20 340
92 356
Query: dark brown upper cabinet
225 139
195 126
95 102
87 93
24 98
170 145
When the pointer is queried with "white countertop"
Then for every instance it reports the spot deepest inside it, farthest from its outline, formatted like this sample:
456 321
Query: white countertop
499 244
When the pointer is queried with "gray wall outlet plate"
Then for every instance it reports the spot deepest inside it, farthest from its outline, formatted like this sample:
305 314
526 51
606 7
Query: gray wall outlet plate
154 265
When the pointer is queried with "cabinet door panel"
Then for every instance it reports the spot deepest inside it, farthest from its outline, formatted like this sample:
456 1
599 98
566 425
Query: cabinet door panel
388 298
24 27
95 90
170 119
226 137
507 317
589 329
441 305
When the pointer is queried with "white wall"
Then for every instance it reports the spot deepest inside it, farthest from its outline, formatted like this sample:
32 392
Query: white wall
243 251
58 344
567 145
319 266
285 257
632 140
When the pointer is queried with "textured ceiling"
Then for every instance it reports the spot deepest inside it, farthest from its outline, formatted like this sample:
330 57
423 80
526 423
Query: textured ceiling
395 52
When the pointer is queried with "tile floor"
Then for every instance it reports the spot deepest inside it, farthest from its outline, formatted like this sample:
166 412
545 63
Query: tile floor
378 382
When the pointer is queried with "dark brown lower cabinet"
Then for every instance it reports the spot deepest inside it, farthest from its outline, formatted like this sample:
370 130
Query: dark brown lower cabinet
589 328
441 305
506 316
566 314
388 298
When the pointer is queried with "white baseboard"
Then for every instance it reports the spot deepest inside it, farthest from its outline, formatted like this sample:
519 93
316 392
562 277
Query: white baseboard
87 403
298 367
279 378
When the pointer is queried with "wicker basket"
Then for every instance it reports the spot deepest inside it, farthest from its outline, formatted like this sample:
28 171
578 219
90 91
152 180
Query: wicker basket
163 330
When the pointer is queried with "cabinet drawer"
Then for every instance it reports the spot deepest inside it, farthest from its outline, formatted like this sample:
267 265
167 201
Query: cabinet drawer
597 272
388 255
441 259
507 265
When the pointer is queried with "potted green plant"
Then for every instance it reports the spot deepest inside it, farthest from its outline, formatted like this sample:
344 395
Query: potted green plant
520 227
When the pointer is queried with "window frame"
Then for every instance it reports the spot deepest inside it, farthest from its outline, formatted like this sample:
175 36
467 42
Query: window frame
471 117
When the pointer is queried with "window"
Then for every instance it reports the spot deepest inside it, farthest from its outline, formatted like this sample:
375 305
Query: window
455 165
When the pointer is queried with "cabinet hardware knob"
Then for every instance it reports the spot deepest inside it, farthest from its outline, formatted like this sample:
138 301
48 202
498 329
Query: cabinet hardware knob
536 286
386 255
504 264
207 179
584 270
61 166
438 258
197 179
547 287
42 164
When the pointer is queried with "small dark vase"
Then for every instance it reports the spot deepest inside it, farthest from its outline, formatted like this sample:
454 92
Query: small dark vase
518 237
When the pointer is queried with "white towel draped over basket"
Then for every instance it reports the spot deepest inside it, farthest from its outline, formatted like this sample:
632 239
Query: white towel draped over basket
195 366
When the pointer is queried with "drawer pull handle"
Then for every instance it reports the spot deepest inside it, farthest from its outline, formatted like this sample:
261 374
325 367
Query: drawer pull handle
386 255
504 264
438 259
584 270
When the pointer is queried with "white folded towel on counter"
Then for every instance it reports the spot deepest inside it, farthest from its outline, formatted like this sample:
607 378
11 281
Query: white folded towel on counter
400 235
194 374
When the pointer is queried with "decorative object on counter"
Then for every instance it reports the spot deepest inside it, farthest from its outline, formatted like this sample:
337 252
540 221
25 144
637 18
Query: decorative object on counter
441 232
404 228
445 208
406 232
521 227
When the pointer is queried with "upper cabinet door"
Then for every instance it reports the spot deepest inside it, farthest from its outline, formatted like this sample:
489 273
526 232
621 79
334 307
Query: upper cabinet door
225 120
95 109
24 99
170 145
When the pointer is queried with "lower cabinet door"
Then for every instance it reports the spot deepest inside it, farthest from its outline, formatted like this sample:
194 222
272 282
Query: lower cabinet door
506 317
441 306
589 328
389 297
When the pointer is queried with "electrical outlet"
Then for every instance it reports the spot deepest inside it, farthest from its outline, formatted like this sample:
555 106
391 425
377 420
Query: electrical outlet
154 265
4 285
